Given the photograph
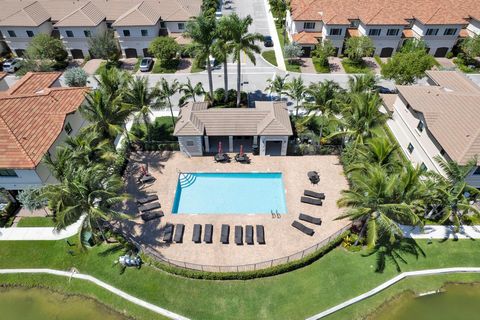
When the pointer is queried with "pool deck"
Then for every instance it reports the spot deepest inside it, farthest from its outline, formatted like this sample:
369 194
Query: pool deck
281 238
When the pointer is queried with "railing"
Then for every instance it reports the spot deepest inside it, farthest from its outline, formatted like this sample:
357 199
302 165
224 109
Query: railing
242 267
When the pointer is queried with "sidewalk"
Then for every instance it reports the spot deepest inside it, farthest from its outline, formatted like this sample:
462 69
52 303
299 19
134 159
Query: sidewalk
441 232
276 42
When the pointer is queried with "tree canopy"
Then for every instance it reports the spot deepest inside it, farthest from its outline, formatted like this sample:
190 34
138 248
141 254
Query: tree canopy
164 48
359 47
104 46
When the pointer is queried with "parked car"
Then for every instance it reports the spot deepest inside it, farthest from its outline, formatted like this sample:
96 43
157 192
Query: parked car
146 64
267 41
384 90
11 65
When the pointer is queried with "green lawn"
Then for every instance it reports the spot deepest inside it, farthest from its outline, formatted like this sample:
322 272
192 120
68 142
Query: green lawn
101 67
293 66
294 295
167 68
319 67
270 57
355 68
35 222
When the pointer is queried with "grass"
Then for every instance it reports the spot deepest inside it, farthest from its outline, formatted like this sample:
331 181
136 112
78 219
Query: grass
473 67
293 65
107 65
319 67
351 67
281 38
196 67
101 67
35 222
162 130
378 60
137 64
276 297
170 67
270 57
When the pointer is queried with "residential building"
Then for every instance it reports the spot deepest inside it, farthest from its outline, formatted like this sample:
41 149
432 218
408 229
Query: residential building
439 23
36 116
202 130
440 119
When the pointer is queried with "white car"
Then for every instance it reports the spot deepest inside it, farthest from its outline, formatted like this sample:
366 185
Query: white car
11 65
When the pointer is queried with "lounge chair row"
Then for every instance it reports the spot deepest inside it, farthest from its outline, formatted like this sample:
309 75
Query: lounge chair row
312 197
225 234
169 236
305 217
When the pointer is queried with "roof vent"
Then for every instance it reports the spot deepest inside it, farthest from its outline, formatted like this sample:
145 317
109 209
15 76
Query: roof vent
40 91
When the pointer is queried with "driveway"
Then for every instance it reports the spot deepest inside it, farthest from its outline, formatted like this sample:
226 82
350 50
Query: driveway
92 65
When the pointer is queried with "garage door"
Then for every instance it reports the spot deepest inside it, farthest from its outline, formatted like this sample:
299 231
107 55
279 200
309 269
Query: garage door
273 148
77 54
306 51
146 53
441 52
20 52
386 52
130 53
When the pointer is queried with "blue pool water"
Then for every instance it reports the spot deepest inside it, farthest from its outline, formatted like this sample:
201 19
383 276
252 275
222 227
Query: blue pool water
227 193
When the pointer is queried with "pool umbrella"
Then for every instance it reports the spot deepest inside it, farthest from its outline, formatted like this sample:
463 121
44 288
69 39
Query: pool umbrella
241 150
219 147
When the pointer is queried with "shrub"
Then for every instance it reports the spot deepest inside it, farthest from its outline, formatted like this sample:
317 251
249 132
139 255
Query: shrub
292 51
44 47
76 77
322 51
449 55
359 47
104 46
164 48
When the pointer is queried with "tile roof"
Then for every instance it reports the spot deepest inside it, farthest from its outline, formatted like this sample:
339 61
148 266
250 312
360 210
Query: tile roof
381 12
143 14
30 122
86 16
451 111
32 82
267 118
2 75
32 15
304 37
388 101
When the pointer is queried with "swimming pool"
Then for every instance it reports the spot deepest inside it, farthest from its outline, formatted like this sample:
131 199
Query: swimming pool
230 193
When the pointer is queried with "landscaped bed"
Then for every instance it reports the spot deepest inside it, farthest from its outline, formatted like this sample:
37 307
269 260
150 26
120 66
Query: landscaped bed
270 57
351 67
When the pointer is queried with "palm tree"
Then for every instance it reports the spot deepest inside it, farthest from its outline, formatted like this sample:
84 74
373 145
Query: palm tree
296 90
222 48
166 91
114 81
325 95
377 150
203 31
88 148
278 85
242 41
362 83
142 100
191 91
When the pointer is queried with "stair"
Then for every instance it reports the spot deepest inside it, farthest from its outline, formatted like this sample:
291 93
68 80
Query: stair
186 180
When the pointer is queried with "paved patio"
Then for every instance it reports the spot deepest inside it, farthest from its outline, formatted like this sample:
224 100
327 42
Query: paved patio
281 238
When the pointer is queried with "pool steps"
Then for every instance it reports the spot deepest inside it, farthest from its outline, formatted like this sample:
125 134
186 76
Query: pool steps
186 180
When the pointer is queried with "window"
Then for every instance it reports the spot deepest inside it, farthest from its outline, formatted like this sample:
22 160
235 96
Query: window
144 33
443 153
374 32
109 25
30 33
420 126
423 167
69 33
450 32
87 33
8 173
393 32
309 25
181 26
477 171
354 23
410 148
68 128
336 32
190 143
431 32
12 33
126 33
162 24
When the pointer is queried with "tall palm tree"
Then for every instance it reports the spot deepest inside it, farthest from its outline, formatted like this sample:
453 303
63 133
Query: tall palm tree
296 90
142 100
222 48
242 41
203 31
278 85
377 150
362 83
114 81
325 95
166 91
191 91
88 148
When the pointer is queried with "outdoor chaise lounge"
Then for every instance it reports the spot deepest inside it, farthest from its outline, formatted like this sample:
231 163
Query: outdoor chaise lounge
149 206
151 215
225 233
303 228
313 194
239 235
260 234
179 229
306 217
207 237
221 157
316 202
249 234
197 233
147 199
168 233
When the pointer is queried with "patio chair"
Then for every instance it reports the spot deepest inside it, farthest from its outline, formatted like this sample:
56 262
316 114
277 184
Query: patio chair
207 237
313 201
303 228
221 157
260 234
197 233
149 206
242 158
225 233
313 194
313 177
239 235
313 220
179 229
151 215
147 179
147 199
168 233
249 234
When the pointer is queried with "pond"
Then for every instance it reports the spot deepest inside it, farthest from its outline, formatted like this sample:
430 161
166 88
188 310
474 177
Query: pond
43 304
455 301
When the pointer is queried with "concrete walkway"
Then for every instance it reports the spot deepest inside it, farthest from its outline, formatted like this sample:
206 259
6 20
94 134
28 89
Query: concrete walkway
92 65
389 283
100 283
441 232
39 233
276 42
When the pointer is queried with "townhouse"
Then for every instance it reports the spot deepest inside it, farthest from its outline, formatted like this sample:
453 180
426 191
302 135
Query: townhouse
439 119
36 116
135 23
439 23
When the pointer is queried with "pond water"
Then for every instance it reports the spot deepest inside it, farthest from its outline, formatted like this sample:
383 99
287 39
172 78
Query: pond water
457 301
18 303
